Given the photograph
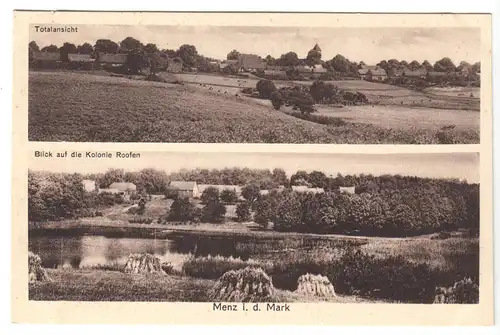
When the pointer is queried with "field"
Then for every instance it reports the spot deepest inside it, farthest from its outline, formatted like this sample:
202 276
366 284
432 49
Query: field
66 106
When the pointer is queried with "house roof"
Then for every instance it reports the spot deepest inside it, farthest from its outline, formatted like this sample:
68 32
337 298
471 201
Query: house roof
109 190
351 189
305 189
235 188
317 48
80 58
183 185
113 58
123 186
47 56
365 68
318 68
249 61
378 72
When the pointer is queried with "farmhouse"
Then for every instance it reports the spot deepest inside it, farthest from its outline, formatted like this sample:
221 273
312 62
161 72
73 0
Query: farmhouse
416 74
46 59
305 189
175 65
89 185
377 74
187 189
348 190
363 71
113 59
250 62
81 61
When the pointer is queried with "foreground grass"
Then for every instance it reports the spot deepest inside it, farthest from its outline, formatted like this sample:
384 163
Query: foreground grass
100 285
76 107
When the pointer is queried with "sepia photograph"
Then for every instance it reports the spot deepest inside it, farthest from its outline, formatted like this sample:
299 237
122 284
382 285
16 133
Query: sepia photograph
255 84
256 227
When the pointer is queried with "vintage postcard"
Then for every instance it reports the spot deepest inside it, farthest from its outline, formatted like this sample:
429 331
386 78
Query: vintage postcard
186 168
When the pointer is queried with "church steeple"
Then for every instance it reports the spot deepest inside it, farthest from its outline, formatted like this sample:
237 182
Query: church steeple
317 48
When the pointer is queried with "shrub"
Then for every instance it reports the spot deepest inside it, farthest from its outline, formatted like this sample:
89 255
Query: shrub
210 194
214 211
322 92
465 291
243 211
265 88
182 210
229 196
276 100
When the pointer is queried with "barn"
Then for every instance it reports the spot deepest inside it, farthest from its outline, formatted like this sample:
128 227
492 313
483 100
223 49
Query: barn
187 189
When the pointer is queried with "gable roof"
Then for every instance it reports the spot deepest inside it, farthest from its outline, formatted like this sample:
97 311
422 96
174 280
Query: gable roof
317 48
80 58
221 188
378 72
305 189
113 58
249 61
318 68
183 185
47 56
351 189
365 68
123 186
415 73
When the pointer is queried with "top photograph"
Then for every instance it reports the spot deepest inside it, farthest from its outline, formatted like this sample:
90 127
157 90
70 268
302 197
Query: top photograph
254 84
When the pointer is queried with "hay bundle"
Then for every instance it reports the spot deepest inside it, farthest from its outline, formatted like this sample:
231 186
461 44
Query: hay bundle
36 273
250 284
315 285
142 263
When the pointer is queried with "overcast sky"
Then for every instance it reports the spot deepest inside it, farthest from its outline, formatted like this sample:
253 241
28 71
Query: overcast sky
370 45
450 165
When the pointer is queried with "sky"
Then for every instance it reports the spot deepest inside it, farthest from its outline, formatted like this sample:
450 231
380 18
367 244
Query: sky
449 165
370 45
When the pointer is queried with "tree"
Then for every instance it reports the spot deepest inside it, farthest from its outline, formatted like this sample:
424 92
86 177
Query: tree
317 179
50 48
250 192
33 46
151 48
444 65
171 193
182 210
243 211
210 194
142 206
67 48
320 91
229 196
137 60
313 57
106 46
289 59
427 65
476 67
214 211
265 88
85 49
130 43
414 65
280 177
233 55
111 176
188 54
270 60
340 64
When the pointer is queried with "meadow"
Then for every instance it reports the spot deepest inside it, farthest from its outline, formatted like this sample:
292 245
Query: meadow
66 106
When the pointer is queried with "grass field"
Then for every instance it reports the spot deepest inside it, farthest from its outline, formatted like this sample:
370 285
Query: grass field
105 285
66 106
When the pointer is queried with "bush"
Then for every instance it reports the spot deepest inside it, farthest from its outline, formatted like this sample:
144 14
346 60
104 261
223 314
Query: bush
326 93
210 194
243 211
276 100
182 210
265 88
229 196
214 211
465 291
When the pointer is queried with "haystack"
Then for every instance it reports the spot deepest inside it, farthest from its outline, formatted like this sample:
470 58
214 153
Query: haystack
250 284
315 285
142 263
36 272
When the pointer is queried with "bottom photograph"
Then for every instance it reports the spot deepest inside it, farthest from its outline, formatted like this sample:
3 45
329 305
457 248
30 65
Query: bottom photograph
255 227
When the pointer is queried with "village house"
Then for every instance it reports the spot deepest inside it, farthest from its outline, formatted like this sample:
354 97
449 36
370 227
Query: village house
364 69
305 189
112 59
415 74
250 63
348 190
186 189
89 185
81 61
45 60
377 74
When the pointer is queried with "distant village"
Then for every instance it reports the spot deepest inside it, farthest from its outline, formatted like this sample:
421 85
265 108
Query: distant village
289 65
